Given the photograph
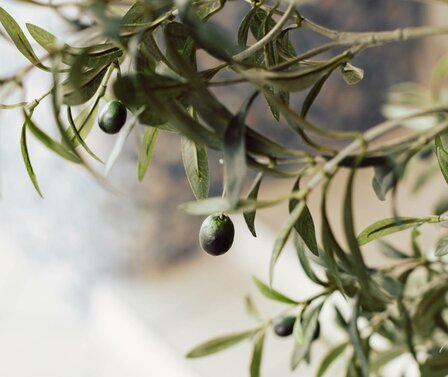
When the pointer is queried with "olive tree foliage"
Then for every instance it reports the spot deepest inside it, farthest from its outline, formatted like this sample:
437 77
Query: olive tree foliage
145 53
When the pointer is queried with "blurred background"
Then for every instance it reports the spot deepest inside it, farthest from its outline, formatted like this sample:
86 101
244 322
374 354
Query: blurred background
94 283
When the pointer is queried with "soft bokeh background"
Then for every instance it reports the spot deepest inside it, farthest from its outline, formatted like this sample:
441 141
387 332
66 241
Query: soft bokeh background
99 284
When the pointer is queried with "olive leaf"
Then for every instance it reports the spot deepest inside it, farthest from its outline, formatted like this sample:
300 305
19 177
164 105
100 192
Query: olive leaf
359 265
83 123
357 342
297 330
442 154
304 260
119 143
257 355
305 224
330 357
194 157
283 236
390 251
208 36
386 177
27 161
220 344
272 294
433 301
249 217
74 131
19 38
392 225
146 151
234 150
84 90
442 247
251 309
51 144
310 323
436 365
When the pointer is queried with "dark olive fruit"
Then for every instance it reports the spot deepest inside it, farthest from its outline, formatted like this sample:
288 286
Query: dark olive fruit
216 234
285 326
112 117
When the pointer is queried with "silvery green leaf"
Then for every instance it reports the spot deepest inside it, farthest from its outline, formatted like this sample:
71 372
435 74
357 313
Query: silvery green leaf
220 344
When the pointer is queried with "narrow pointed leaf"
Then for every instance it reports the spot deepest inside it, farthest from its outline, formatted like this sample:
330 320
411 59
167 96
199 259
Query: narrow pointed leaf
330 357
27 161
146 151
219 344
249 217
257 355
195 160
272 294
19 38
234 150
385 227
49 142
305 224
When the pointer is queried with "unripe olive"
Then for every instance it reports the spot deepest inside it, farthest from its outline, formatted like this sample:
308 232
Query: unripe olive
112 117
285 326
216 234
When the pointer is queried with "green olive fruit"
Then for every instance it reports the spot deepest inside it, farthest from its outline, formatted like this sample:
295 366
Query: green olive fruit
285 326
216 234
112 117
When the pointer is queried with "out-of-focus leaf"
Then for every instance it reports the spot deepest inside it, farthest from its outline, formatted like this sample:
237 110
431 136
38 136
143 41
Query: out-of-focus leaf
390 285
385 227
194 157
19 38
249 217
220 344
330 357
207 35
181 41
442 154
296 80
119 143
304 261
433 301
390 251
272 294
234 150
305 224
85 89
283 236
27 161
257 355
382 358
357 341
349 227
310 320
386 177
297 330
436 365
146 151
251 309
442 247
